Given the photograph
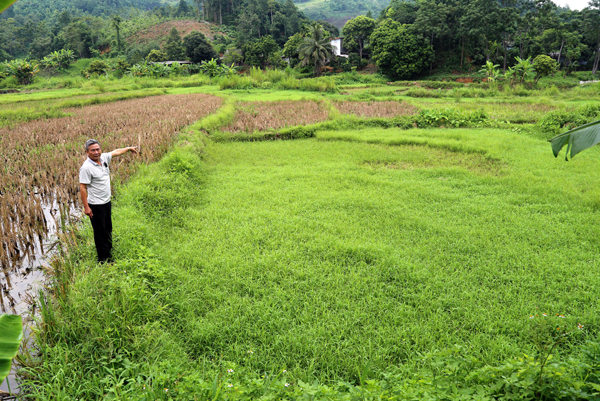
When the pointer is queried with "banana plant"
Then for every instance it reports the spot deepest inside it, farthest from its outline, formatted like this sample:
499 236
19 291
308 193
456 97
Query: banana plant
577 140
491 71
4 4
11 333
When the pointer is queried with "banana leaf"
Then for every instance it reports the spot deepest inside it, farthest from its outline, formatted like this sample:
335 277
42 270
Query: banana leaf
4 4
577 140
11 333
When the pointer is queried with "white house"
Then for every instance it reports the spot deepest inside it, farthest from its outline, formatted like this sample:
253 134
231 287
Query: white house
338 47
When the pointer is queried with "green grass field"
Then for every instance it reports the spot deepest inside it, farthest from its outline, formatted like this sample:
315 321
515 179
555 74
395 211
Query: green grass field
360 262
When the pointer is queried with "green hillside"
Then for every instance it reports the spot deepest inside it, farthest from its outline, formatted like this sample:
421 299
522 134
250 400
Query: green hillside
338 12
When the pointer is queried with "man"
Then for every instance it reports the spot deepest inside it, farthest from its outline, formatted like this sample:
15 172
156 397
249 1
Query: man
94 186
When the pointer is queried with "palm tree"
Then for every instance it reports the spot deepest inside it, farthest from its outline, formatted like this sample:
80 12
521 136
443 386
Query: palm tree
315 49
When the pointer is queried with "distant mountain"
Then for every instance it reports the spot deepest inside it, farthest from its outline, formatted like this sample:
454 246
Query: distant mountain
337 12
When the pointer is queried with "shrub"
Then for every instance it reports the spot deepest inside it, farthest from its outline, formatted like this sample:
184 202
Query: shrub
441 84
544 66
121 67
156 56
213 69
551 91
449 117
24 71
3 71
236 82
323 84
421 92
96 68
58 60
470 92
197 48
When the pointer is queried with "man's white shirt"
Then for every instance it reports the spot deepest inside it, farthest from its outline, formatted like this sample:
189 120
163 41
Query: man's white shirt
97 178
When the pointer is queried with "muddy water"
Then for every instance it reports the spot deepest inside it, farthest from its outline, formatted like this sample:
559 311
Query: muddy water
21 282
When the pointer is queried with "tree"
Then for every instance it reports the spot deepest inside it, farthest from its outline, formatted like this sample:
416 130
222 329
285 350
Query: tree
96 68
523 68
174 47
156 56
544 66
315 49
197 48
398 52
290 49
431 21
332 29
183 9
78 38
592 29
116 23
573 49
357 31
258 52
402 11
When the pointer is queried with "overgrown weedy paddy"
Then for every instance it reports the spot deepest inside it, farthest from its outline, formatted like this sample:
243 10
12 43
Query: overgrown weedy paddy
365 258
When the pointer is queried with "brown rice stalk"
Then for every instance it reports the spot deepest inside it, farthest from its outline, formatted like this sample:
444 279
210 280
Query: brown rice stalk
40 159
386 109
262 116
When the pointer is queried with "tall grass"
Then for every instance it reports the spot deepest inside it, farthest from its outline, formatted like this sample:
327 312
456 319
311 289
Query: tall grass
276 79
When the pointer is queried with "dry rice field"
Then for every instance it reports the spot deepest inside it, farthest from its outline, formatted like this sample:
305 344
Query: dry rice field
386 109
40 159
262 116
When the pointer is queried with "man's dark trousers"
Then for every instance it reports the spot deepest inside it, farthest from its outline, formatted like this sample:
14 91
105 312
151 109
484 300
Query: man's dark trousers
102 224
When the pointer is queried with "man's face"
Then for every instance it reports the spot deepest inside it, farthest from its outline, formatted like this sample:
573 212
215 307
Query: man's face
94 152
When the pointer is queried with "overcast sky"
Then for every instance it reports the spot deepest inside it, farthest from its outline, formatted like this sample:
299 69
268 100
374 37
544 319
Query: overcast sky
573 4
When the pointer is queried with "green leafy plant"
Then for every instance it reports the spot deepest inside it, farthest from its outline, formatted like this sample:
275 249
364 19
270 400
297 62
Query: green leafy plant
213 69
179 69
140 70
58 60
523 69
156 56
544 66
3 71
4 4
450 117
491 71
96 68
121 66
11 333
577 139
549 332
24 71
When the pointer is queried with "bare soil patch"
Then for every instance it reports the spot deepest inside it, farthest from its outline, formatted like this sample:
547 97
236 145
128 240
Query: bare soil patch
161 31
